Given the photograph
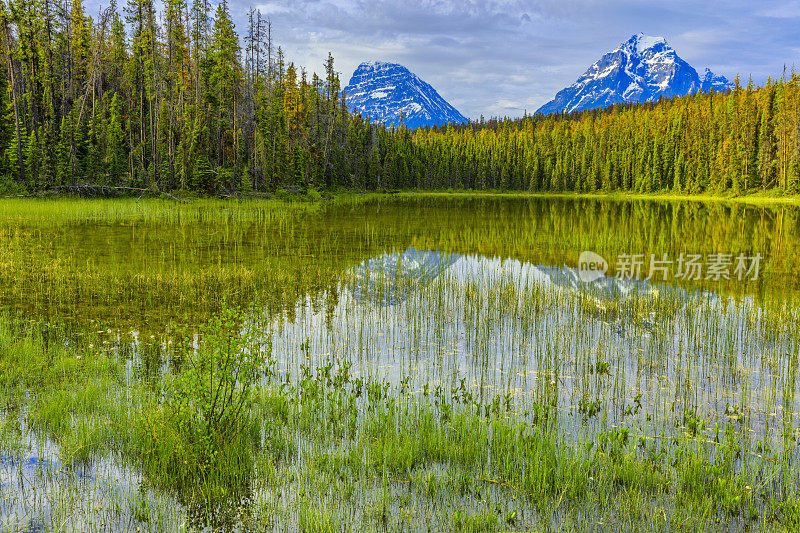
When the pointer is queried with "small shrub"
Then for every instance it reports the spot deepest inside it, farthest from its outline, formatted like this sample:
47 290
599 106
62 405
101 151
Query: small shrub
313 194
9 187
283 194
202 436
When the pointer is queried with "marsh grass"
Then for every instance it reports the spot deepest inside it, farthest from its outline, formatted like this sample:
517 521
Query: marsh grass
287 366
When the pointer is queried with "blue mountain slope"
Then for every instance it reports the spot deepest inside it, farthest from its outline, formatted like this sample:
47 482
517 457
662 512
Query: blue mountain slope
642 69
385 91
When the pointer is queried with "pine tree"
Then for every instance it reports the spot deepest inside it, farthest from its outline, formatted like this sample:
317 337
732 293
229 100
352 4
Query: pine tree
116 158
226 82
33 159
63 167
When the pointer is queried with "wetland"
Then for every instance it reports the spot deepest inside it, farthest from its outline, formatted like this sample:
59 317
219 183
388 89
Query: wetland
399 363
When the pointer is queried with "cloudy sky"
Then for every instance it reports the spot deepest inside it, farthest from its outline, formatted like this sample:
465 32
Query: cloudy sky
501 57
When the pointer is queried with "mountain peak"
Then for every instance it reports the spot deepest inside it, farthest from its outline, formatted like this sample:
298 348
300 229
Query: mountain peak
641 69
378 65
386 91
712 81
641 42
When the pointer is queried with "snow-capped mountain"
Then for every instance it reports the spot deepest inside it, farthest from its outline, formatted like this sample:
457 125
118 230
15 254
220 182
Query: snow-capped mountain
385 91
641 69
718 83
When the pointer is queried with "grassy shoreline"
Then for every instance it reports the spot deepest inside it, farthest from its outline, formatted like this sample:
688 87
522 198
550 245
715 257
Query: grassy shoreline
756 198
752 197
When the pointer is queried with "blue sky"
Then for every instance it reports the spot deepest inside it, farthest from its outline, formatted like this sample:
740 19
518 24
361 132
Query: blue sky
500 57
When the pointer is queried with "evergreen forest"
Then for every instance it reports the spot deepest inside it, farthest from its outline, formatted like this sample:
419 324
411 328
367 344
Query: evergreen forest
172 98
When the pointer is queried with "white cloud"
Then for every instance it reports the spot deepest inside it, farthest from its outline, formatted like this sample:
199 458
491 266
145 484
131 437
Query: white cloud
786 10
273 8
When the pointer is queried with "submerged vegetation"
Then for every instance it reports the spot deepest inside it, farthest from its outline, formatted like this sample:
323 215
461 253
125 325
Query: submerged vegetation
394 364
148 263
